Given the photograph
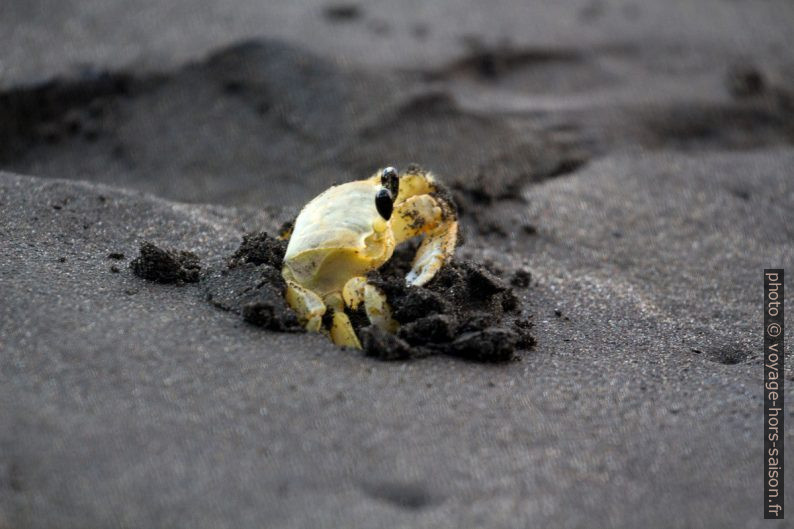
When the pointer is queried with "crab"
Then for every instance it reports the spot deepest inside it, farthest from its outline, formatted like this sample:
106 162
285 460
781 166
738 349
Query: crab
352 229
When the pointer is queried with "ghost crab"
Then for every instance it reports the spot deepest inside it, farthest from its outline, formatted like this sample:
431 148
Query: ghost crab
352 229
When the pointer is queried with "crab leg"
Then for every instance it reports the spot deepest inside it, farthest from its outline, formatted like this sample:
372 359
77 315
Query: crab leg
342 332
311 309
434 217
358 291
308 305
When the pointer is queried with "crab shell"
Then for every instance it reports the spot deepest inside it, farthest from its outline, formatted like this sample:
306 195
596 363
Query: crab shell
337 236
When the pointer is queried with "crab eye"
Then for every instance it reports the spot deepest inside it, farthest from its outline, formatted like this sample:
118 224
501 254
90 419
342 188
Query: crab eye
390 180
384 204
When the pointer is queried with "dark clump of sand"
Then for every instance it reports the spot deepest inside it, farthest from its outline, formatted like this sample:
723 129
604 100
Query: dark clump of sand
250 284
260 248
465 311
342 12
166 265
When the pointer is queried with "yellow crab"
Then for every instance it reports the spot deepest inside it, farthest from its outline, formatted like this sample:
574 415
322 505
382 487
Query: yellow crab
352 229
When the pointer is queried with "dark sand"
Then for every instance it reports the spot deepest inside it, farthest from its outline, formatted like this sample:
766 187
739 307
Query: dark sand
634 159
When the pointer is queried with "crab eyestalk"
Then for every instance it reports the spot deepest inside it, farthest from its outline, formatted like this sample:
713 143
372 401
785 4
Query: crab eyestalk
384 202
385 197
391 181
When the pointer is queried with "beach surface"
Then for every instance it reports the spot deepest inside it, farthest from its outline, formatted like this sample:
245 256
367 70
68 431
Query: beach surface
627 166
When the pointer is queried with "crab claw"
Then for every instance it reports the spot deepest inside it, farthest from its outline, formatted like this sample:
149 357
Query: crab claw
435 217
435 250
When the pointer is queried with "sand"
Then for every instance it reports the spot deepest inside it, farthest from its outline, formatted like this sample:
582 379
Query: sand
624 167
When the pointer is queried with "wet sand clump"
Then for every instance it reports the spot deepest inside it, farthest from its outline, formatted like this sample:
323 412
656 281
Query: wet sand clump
464 311
251 284
166 265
